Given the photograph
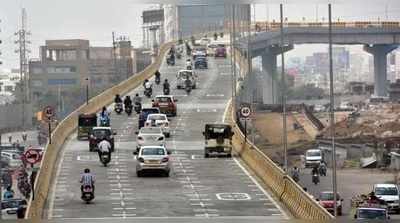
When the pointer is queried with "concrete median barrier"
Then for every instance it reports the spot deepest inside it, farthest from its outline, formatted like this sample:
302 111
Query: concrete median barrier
35 210
295 199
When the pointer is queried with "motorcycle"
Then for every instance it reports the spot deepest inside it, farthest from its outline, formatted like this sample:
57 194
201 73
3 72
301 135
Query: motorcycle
128 110
170 61
148 92
189 67
157 80
166 91
138 108
296 177
87 194
178 55
118 108
104 158
315 179
188 88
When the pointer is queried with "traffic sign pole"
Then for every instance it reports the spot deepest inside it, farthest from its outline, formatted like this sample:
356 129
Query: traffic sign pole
49 130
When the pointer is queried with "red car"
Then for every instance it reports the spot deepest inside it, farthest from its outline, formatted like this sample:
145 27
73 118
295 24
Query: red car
166 104
326 200
220 52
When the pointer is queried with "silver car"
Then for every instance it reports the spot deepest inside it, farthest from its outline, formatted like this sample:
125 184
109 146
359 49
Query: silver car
150 136
153 158
183 75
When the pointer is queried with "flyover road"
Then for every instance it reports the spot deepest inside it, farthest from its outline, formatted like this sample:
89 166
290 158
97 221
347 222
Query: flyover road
218 189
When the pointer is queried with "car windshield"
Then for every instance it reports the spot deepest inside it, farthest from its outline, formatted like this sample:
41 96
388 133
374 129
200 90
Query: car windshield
163 99
328 197
153 151
87 121
150 130
372 214
101 132
200 59
313 153
213 132
386 191
156 117
185 74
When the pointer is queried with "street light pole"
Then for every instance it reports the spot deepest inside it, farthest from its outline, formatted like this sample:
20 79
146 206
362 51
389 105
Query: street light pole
332 113
87 91
283 86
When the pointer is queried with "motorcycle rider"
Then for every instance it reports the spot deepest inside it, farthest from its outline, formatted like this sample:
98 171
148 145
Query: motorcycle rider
315 174
127 102
295 174
188 82
147 85
165 85
158 75
104 114
322 168
117 99
188 63
87 179
137 99
104 147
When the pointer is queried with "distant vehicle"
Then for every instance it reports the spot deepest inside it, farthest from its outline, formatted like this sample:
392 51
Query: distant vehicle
166 104
390 194
218 139
144 113
325 199
199 52
149 136
12 159
378 99
159 120
319 108
97 135
200 62
313 157
183 75
204 41
9 208
211 49
86 122
372 213
220 52
153 158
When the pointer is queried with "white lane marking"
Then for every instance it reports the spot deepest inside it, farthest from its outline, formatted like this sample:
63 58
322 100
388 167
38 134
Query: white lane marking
226 111
261 188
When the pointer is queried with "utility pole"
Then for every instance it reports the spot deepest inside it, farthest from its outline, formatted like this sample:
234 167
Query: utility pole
283 86
114 55
23 62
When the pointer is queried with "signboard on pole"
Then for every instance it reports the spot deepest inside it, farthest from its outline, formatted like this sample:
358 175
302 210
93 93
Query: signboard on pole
245 111
49 112
32 156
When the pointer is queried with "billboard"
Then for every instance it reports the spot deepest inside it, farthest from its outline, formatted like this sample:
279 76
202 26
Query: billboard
153 16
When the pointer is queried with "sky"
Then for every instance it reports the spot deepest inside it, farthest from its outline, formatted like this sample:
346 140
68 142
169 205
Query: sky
96 19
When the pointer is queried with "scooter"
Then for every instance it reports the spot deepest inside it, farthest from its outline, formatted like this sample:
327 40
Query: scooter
87 194
104 158
188 88
166 91
148 92
322 170
138 108
315 179
128 110
118 108
157 80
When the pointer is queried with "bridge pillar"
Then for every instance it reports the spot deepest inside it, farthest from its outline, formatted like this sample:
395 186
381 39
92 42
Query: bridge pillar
271 80
379 51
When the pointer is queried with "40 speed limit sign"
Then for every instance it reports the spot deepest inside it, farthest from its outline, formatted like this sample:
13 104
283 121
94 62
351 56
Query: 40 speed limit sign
245 111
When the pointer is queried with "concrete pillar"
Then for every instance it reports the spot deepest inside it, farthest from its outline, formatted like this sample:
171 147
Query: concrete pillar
271 79
379 51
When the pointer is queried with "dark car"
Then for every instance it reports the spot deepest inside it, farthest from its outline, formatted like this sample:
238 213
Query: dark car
220 52
200 62
144 113
97 134
9 208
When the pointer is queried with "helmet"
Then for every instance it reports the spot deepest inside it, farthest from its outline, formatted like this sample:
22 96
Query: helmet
117 95
137 94
104 108
166 80
128 96
87 170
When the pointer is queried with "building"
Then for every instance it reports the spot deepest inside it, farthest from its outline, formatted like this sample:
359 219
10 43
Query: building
182 21
66 67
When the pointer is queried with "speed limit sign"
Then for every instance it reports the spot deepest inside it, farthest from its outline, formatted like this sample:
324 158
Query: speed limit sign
49 112
245 111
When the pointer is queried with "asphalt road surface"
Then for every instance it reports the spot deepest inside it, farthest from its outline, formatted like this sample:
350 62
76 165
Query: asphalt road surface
198 188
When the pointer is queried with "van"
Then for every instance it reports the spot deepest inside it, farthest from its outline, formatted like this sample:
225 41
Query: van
313 157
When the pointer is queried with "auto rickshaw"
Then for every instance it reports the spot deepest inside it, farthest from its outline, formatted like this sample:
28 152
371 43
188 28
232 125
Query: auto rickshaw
218 139
86 122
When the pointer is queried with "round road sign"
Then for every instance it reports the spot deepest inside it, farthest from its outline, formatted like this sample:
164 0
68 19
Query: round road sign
49 111
245 111
32 156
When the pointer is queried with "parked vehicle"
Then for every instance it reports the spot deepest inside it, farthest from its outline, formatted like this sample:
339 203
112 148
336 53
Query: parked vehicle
218 139
153 158
86 122
97 135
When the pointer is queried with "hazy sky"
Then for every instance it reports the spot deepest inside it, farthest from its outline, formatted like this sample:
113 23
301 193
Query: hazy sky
96 19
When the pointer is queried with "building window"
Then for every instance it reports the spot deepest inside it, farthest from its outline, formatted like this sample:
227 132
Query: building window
62 81
36 83
61 70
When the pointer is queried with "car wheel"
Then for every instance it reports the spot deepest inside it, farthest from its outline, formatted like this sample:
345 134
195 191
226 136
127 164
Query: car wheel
138 174
229 155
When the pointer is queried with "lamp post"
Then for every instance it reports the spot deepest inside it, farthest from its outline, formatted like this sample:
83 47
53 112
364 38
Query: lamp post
87 90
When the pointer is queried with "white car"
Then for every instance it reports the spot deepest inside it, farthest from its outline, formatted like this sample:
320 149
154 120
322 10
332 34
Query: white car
204 41
390 194
183 75
12 159
159 120
153 158
149 136
211 49
313 157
